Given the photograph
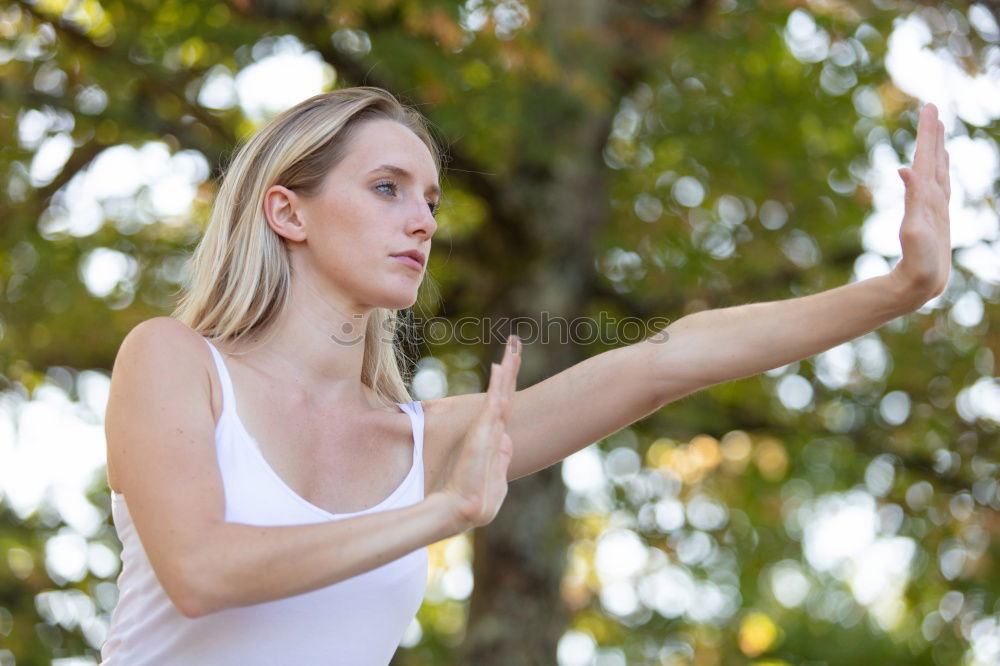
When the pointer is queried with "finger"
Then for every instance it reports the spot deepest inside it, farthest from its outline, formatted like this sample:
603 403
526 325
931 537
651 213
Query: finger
503 449
505 364
923 159
513 358
493 383
947 175
507 401
908 176
942 157
493 390
506 445
510 374
502 455
508 357
501 398
514 369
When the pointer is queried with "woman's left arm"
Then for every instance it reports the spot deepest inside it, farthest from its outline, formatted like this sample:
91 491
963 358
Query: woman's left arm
599 396
714 346
717 345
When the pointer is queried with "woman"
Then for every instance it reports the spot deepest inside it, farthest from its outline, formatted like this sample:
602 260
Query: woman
273 503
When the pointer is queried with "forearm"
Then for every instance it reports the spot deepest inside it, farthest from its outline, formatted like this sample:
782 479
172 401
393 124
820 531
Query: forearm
240 565
714 346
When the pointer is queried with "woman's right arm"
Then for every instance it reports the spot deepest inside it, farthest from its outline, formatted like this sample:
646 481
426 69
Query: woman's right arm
160 431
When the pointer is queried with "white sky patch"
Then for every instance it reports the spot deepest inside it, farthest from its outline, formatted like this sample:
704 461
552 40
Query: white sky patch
895 407
219 89
985 638
32 126
66 556
974 163
806 41
621 555
984 23
619 598
789 584
669 514
935 76
54 450
688 191
49 159
457 581
982 259
171 197
576 649
119 170
583 472
980 401
430 380
869 265
282 79
110 187
669 590
972 218
843 536
838 528
795 392
835 366
968 310
102 269
885 564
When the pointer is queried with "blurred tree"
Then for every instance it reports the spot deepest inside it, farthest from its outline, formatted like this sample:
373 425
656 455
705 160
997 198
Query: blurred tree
640 158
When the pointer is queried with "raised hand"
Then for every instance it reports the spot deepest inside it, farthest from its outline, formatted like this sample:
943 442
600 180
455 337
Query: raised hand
925 232
476 483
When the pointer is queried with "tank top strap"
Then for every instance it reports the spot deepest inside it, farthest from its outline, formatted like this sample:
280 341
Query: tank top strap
228 399
415 411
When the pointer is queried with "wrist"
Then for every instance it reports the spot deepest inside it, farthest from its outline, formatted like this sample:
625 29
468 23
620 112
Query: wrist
909 294
445 509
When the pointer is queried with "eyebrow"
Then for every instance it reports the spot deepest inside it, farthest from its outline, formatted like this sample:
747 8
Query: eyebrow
400 171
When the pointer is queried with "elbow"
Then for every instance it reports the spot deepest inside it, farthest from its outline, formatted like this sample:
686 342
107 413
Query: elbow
188 607
192 591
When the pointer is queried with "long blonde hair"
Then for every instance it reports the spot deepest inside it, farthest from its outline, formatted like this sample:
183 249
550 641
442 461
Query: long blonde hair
239 277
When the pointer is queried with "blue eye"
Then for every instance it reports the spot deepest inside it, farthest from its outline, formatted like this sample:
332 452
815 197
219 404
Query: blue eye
433 205
389 184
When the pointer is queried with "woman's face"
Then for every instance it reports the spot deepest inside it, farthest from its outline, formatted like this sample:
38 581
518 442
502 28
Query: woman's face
376 203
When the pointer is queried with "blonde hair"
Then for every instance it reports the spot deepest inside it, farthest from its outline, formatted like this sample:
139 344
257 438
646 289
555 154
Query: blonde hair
239 277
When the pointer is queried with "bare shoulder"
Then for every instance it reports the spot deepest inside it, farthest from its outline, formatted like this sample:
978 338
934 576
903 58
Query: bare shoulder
166 351
161 362
155 336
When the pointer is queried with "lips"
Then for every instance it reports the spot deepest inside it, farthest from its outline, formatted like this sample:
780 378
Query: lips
415 255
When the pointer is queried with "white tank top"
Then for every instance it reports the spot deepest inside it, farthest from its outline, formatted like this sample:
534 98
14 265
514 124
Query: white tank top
356 622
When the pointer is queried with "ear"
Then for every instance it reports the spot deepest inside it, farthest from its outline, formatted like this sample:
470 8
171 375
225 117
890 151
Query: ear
283 210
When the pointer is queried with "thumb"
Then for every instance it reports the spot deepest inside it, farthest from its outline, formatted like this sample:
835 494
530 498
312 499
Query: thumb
908 183
506 445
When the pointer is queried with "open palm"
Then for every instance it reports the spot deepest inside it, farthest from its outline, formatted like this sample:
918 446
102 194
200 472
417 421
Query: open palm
477 472
925 233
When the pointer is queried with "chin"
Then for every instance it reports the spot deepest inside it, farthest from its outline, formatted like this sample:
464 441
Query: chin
398 299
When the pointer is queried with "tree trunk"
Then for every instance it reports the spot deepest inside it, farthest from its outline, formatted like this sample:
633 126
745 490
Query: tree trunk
517 615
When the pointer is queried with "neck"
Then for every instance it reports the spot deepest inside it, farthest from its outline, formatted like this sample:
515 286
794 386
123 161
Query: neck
317 342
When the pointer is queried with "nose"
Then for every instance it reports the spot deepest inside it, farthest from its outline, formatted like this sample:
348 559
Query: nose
421 221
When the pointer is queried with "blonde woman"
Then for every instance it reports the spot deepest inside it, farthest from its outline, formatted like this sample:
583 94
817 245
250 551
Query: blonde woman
273 483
